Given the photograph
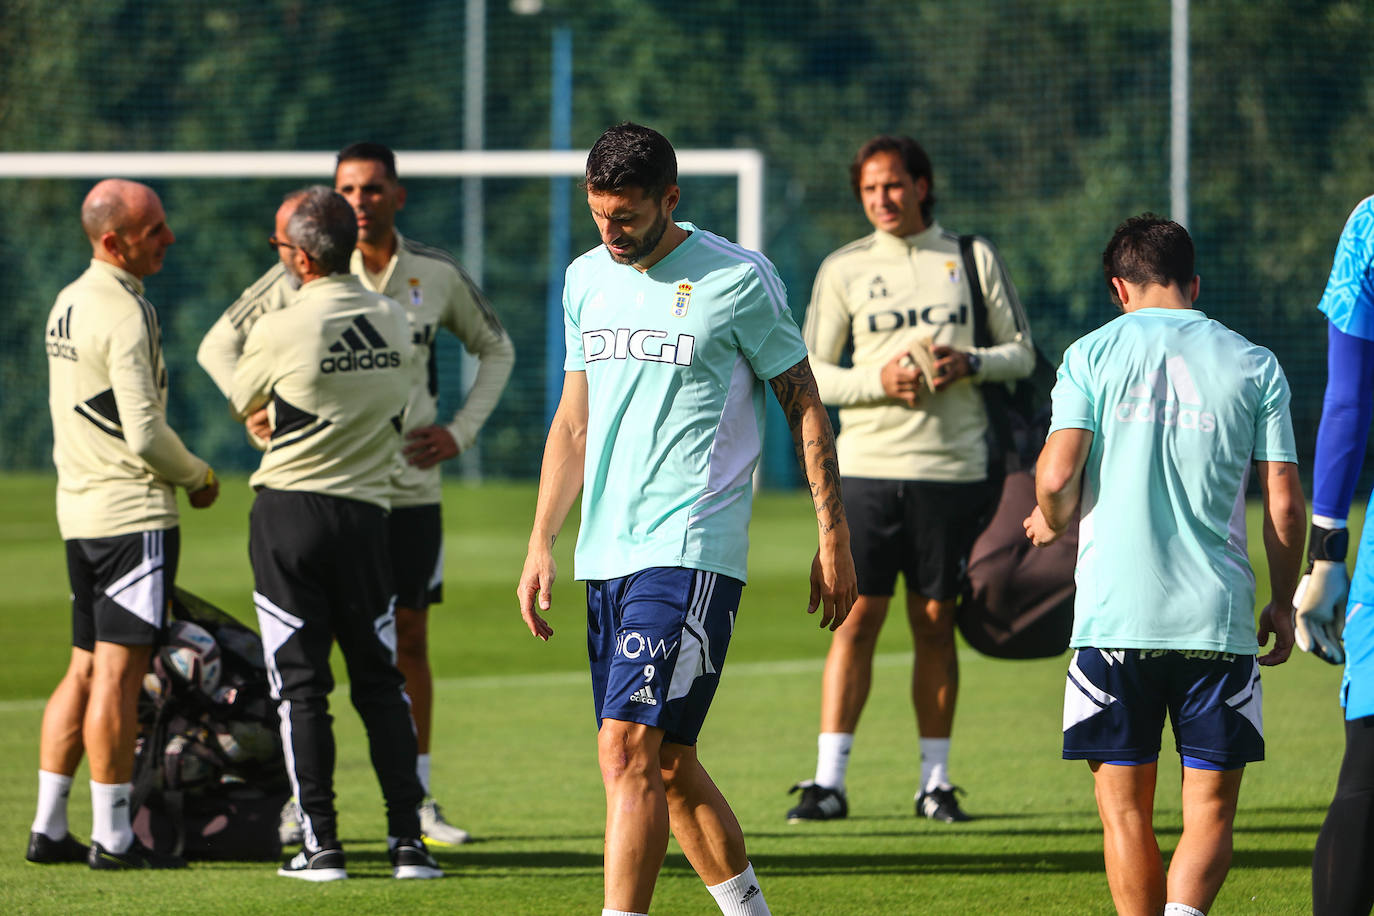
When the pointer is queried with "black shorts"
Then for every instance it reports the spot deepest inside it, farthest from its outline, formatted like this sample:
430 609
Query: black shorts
121 586
417 555
922 529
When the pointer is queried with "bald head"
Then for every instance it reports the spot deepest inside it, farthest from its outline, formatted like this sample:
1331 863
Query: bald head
126 226
107 206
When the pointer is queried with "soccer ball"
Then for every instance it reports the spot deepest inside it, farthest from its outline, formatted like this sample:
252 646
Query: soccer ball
190 657
152 686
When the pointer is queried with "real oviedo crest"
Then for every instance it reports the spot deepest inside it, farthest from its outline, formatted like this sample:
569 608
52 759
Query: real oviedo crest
682 299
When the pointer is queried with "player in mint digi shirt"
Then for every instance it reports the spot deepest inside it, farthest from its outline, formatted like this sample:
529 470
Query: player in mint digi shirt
672 332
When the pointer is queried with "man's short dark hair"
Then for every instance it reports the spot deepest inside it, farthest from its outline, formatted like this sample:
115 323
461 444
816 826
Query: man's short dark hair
631 156
913 157
325 227
1149 249
369 152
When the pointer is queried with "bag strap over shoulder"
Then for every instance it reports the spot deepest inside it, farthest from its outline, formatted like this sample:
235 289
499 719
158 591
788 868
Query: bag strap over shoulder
982 337
995 396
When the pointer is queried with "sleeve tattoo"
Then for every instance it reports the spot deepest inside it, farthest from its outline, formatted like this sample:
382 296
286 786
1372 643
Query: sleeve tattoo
812 439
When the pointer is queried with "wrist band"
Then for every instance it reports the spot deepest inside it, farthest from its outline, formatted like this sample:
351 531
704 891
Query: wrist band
1328 544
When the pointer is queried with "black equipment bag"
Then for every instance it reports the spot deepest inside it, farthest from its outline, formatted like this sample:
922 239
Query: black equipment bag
210 776
1017 600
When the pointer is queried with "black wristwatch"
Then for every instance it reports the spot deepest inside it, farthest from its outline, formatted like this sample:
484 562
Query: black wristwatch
975 363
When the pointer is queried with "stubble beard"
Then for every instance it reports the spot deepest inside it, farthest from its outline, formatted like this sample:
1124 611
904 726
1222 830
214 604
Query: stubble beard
652 236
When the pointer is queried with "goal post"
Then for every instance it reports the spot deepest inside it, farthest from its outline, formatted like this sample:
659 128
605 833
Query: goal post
746 165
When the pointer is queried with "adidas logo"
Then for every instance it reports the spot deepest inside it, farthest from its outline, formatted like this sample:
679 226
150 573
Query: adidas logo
360 347
59 337
750 894
644 695
1169 398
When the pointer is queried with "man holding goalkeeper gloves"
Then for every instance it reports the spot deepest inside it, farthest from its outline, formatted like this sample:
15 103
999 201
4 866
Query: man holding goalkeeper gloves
1342 881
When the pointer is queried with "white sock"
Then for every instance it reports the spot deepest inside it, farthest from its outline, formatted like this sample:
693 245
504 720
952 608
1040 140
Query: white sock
422 770
740 896
110 825
1182 909
606 912
51 817
832 758
934 764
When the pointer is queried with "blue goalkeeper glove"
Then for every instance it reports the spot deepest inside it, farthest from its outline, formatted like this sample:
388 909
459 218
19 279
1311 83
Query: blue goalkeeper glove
1319 602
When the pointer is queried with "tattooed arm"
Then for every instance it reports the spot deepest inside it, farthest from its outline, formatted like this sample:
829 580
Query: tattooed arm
833 585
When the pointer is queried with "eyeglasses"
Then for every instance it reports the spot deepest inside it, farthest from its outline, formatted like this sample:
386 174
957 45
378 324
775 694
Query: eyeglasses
275 244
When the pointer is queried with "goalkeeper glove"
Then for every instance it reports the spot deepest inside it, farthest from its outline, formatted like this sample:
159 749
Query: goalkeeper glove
1319 602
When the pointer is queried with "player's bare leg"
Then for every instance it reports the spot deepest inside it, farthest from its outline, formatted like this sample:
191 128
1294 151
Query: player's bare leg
845 685
60 745
1125 802
109 732
412 657
701 819
849 664
636 812
935 677
1203 857
110 727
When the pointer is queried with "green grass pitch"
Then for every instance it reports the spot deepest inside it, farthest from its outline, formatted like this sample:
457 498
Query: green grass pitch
515 758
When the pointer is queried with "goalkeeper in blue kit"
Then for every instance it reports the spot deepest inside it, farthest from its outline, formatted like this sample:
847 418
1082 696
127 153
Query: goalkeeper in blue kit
1342 881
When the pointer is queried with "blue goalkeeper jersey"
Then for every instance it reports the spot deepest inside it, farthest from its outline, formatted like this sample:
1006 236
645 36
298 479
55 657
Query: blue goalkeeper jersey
676 358
1348 303
1179 406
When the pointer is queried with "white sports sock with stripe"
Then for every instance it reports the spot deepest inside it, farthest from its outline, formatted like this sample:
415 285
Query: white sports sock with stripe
50 818
740 896
110 825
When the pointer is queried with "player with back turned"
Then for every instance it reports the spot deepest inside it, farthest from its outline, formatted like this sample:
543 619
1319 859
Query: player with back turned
436 294
335 370
1158 417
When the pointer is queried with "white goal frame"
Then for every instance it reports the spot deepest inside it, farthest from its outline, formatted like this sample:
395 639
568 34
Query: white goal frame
746 165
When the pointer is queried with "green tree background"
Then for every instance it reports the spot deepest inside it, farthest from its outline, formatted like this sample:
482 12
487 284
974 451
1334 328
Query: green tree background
1048 123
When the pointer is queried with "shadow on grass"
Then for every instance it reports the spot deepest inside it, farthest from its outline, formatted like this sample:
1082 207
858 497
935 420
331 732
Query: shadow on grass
992 863
534 864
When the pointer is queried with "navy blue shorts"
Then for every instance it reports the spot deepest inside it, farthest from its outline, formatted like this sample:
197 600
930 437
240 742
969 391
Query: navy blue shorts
656 640
1115 701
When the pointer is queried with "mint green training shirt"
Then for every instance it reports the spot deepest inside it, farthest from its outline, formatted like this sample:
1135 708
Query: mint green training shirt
1179 406
676 359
